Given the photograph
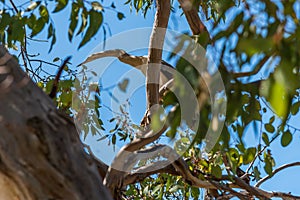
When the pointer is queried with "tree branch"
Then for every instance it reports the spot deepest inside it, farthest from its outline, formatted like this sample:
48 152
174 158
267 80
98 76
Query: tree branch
176 161
57 78
163 8
257 68
123 56
145 171
193 19
275 172
101 166
229 189
121 163
138 62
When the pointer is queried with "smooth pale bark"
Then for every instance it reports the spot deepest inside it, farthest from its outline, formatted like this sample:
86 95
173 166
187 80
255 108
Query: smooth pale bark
41 156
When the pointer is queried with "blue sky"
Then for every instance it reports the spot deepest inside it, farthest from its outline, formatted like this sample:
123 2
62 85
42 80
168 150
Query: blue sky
286 181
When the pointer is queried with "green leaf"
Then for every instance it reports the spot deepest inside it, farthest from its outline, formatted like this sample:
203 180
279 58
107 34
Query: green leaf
216 171
95 21
156 189
270 128
268 166
272 119
50 31
38 27
66 98
49 85
127 2
16 30
5 21
44 13
60 5
253 46
286 138
295 108
249 155
65 85
84 16
113 139
278 99
56 59
256 173
120 16
265 138
73 21
52 43
195 192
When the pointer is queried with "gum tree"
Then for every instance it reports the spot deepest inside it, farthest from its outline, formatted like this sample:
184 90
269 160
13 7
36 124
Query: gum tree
42 156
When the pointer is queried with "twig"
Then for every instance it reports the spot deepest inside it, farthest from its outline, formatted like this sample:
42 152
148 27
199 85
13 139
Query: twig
42 61
233 192
14 5
57 78
276 171
153 168
255 70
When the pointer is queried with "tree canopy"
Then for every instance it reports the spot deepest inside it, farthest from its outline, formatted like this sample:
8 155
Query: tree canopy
207 111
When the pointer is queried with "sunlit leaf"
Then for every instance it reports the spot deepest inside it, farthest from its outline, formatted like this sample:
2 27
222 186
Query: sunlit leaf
61 4
278 99
249 155
84 17
73 20
44 13
95 21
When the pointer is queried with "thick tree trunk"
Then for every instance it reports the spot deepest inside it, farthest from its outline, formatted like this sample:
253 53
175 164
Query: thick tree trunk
41 156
